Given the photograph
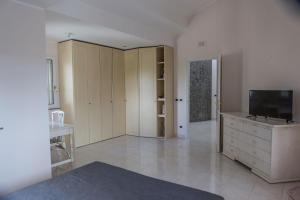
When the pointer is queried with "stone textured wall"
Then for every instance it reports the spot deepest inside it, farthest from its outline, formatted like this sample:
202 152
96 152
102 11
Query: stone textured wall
200 90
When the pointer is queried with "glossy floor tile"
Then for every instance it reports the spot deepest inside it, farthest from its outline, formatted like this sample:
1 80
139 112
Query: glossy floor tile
192 161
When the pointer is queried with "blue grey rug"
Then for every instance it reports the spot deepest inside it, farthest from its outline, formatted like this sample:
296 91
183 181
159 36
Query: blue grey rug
99 181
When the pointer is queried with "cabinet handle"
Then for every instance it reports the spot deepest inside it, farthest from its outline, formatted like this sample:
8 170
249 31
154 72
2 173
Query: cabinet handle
1 128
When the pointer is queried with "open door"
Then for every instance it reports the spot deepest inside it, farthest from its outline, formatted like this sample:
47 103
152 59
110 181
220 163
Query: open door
216 97
219 137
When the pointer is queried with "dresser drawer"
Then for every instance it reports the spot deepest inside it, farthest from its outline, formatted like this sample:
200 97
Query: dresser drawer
229 122
231 132
261 155
230 151
255 152
245 158
233 123
259 131
255 142
254 163
231 140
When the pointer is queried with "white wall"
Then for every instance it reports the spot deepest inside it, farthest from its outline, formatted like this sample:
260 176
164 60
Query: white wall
260 48
51 49
214 27
24 143
271 49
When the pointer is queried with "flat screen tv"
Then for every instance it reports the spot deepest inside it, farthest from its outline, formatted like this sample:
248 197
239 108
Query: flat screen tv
271 103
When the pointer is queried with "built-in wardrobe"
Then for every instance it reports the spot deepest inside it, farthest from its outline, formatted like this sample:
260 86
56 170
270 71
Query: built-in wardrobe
107 92
92 90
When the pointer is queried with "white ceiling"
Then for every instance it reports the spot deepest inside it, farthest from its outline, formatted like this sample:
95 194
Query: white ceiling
59 26
119 23
176 12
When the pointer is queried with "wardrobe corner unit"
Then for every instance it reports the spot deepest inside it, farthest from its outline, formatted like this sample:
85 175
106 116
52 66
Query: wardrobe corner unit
149 92
91 90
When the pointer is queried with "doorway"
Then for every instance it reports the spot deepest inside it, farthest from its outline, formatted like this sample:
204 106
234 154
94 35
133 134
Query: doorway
203 91
203 103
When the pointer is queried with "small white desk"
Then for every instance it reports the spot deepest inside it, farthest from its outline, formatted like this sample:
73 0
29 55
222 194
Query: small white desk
63 130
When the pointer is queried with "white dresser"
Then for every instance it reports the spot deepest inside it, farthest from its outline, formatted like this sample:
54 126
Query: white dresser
270 148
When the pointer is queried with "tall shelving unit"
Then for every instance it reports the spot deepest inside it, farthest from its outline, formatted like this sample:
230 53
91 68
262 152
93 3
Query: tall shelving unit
161 100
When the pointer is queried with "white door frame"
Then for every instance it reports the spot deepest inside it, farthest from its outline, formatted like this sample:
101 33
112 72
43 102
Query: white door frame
218 106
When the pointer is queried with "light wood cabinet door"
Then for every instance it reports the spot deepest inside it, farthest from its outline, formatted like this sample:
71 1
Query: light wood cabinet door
94 79
118 93
169 95
148 111
66 80
132 91
106 57
80 74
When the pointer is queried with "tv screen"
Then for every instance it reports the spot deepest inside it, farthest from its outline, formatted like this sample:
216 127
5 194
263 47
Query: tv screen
271 103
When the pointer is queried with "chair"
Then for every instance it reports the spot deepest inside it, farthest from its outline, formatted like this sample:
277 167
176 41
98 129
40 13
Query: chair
58 116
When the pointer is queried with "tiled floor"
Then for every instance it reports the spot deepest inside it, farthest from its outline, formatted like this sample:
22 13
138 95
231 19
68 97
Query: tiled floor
192 162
